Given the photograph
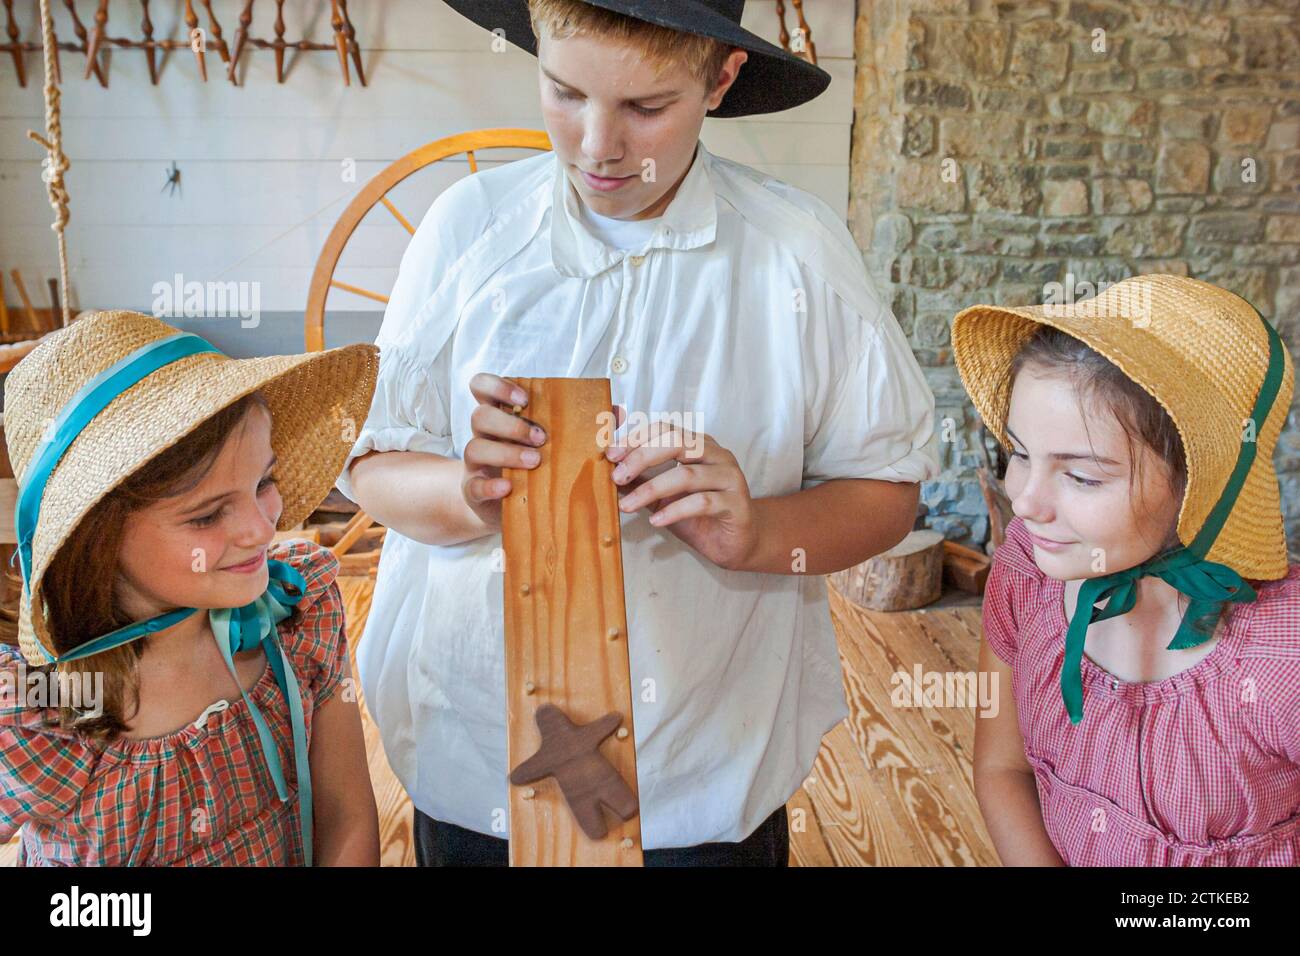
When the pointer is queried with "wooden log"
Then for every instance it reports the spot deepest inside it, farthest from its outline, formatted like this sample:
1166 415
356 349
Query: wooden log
566 622
908 575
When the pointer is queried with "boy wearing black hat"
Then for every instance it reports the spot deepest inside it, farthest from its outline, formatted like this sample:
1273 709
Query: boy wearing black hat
791 427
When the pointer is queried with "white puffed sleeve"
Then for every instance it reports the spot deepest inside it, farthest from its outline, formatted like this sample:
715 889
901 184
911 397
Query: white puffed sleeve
877 416
408 413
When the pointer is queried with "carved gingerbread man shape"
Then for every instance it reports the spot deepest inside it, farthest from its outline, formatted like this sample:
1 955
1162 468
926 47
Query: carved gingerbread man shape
571 754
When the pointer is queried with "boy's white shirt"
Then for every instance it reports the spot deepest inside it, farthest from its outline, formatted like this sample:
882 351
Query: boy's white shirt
750 309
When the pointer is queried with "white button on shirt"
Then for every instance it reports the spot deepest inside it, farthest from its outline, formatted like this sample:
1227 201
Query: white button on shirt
750 318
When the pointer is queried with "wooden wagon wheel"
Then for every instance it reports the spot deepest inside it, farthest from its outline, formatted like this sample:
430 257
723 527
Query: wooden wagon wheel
376 192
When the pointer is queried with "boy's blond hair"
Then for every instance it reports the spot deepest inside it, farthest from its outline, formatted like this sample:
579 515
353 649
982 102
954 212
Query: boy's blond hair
703 57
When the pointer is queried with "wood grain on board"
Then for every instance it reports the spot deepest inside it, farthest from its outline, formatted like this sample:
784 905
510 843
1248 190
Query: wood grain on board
565 618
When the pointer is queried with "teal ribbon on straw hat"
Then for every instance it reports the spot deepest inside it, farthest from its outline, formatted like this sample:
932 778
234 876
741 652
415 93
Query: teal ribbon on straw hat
236 629
1209 584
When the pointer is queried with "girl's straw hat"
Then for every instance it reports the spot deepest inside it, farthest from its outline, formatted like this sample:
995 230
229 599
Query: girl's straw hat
1203 354
318 402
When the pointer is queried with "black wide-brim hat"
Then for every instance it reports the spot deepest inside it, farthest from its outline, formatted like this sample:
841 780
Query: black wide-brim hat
769 81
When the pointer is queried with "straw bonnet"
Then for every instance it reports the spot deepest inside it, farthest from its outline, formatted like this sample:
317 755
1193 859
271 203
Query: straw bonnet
318 403
1223 375
1202 353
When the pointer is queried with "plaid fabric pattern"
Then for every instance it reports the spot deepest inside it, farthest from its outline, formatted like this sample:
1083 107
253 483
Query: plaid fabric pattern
1199 769
197 796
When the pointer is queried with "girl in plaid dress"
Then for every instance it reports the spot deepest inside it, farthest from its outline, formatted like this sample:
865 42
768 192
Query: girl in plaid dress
1140 426
205 714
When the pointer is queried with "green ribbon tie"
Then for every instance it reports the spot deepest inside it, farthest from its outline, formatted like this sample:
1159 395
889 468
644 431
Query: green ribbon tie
1209 584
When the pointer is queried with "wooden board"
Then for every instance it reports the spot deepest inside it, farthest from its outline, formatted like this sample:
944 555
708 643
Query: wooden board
563 598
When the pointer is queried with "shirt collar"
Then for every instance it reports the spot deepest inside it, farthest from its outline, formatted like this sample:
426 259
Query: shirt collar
690 220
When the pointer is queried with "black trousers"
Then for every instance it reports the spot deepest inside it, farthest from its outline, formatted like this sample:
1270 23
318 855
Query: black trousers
444 844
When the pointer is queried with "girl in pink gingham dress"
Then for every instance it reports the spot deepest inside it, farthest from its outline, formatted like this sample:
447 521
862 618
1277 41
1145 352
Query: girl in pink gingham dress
1199 769
1149 695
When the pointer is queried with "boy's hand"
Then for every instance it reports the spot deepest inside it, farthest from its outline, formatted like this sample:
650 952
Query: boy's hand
704 499
501 440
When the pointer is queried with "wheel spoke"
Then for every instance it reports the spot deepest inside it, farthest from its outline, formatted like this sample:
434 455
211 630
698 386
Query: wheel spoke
397 215
357 290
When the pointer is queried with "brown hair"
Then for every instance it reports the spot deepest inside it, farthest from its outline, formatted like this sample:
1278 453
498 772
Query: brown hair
79 586
703 57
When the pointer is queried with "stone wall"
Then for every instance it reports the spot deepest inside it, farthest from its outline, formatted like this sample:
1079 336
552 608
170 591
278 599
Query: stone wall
1002 146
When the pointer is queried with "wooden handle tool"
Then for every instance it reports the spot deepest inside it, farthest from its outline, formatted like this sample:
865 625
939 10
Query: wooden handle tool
27 302
56 310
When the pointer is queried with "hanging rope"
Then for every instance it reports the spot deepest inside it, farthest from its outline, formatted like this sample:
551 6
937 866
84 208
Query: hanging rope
56 163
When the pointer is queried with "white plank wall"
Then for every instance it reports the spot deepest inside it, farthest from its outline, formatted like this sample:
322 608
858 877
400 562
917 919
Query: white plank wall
261 164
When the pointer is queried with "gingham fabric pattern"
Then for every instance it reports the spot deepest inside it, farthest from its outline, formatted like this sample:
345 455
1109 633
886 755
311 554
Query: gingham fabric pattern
1199 769
198 796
